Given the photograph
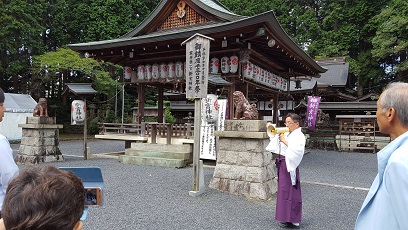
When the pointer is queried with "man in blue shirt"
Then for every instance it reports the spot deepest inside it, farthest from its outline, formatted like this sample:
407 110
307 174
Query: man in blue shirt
8 167
386 204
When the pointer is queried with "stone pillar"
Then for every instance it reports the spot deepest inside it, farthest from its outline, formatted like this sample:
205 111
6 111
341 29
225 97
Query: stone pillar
39 141
243 166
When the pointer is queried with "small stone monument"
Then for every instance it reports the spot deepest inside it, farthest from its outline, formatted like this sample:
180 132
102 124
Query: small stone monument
40 135
244 167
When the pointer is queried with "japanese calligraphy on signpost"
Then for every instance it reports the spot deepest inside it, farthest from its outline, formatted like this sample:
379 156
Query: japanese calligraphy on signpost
197 61
311 113
213 117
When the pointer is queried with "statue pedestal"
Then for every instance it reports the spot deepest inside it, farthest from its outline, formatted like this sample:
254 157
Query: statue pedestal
39 141
243 166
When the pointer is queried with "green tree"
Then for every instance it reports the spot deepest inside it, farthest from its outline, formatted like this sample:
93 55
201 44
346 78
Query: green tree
48 67
20 38
391 40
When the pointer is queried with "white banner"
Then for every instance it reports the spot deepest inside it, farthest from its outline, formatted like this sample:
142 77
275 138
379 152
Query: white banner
208 142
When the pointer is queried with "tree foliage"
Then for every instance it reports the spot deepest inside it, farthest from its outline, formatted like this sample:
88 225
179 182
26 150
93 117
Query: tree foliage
49 66
353 28
373 34
390 43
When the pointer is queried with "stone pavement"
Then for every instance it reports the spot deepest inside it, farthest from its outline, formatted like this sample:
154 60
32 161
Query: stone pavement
334 185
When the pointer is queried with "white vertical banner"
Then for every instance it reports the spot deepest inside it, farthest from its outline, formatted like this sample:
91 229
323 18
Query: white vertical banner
222 107
197 62
209 117
208 141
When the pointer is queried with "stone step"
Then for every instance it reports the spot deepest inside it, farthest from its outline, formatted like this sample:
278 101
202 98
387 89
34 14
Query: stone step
147 147
153 161
169 155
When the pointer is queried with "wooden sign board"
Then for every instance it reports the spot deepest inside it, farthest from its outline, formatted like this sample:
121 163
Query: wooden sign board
197 62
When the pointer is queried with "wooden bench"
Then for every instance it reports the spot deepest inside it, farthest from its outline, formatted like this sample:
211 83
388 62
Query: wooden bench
128 138
106 128
140 133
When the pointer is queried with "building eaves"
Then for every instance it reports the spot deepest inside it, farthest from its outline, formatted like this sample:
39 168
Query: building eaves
336 74
81 88
267 18
348 106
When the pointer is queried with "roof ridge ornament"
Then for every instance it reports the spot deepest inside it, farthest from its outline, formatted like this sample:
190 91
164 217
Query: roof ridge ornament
181 12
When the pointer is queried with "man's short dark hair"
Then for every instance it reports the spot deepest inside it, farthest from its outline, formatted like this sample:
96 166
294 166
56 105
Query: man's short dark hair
1 96
43 198
295 117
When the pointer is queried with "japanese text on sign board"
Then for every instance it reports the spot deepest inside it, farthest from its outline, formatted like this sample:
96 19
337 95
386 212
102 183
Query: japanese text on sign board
311 114
197 59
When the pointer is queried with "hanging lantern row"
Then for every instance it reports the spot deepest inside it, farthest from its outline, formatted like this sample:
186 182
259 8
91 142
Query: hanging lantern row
173 72
264 77
157 72
228 65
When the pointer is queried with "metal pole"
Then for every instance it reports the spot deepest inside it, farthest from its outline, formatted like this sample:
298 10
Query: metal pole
85 134
116 97
123 101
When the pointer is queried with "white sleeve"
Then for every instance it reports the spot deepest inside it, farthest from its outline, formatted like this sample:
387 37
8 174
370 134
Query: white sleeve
8 167
296 149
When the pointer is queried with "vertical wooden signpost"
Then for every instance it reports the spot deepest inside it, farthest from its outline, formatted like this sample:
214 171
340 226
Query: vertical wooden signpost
197 61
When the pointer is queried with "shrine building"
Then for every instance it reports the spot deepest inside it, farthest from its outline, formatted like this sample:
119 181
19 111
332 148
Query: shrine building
250 54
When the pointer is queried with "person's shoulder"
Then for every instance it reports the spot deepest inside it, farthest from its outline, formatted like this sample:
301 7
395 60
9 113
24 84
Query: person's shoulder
3 138
299 131
400 155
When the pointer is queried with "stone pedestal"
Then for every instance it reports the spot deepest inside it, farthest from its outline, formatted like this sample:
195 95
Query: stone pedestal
243 166
39 141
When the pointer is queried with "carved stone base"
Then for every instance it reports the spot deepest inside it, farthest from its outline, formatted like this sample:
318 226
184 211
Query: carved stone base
243 166
39 141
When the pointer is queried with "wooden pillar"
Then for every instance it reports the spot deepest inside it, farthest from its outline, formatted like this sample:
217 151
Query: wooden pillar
275 118
231 101
160 111
140 103
245 90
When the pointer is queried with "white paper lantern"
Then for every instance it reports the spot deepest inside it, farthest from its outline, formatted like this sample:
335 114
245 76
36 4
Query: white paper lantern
245 71
155 71
141 72
269 78
149 72
134 76
273 83
214 65
278 82
234 64
78 115
284 84
164 71
225 65
251 71
257 73
262 76
127 72
179 70
172 70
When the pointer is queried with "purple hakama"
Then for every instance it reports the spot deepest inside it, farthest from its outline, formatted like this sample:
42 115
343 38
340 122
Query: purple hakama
289 197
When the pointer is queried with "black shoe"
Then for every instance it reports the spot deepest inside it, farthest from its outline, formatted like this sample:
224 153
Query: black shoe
288 225
284 224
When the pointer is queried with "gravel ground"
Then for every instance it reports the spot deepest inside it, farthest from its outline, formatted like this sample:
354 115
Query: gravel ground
145 197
